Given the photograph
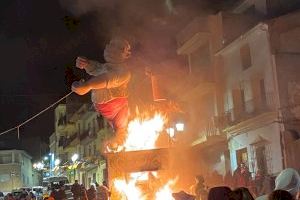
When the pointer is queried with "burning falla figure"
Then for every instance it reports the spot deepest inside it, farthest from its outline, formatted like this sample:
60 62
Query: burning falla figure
109 87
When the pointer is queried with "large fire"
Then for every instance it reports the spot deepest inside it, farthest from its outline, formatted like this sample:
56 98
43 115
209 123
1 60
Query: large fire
142 135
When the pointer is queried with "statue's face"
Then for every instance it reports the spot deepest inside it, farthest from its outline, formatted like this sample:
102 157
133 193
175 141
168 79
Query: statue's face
117 51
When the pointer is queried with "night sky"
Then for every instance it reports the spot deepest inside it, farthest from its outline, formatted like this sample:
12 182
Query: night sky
39 42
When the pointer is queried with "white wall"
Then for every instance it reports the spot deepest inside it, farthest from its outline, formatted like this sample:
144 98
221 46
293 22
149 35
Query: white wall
235 77
271 133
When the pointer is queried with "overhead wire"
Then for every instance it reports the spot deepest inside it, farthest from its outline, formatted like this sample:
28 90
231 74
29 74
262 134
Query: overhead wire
34 116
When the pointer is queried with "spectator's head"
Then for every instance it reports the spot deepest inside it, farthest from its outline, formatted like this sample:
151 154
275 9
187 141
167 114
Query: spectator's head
182 196
76 181
97 184
92 187
200 178
280 195
241 193
52 194
104 183
62 187
259 172
217 193
288 180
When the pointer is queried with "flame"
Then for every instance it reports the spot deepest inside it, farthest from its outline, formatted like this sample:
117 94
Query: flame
143 133
165 193
130 190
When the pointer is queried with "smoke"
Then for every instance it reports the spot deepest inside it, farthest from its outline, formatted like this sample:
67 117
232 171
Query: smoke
151 27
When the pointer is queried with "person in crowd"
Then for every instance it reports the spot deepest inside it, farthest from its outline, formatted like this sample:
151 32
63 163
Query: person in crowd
61 194
76 190
183 196
219 193
280 195
51 196
10 196
258 181
103 191
241 176
92 193
53 193
30 196
228 179
23 194
200 188
83 193
241 193
288 180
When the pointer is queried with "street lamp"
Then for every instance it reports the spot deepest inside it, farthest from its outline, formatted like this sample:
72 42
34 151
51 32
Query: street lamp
56 162
38 166
171 132
74 158
179 126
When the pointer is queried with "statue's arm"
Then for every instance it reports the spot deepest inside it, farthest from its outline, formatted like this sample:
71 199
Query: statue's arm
109 80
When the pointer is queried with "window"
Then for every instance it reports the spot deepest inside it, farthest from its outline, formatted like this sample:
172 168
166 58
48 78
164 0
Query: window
263 94
242 156
79 128
95 149
243 103
260 153
94 126
245 56
5 158
94 177
90 150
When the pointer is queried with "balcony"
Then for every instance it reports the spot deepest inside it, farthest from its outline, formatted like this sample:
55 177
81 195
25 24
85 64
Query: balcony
69 140
87 136
249 109
195 26
210 133
193 35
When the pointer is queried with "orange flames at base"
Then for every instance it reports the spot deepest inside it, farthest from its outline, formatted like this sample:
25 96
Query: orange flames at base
142 135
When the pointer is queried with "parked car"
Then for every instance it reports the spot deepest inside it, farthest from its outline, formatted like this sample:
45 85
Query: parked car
38 191
1 196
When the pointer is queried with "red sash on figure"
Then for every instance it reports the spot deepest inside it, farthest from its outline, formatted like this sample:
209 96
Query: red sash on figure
115 111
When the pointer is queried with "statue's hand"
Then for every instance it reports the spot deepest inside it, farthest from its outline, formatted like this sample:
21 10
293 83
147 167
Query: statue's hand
80 87
82 62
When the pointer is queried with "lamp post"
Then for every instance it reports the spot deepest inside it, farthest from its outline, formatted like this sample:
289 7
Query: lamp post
179 126
74 158
51 163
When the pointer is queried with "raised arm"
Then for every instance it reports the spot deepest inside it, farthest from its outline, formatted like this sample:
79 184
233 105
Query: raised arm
91 67
106 80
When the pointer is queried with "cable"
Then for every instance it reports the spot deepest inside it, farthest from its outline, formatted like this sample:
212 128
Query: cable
34 116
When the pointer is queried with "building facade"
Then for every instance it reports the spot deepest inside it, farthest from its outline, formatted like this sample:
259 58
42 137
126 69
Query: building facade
15 170
80 133
246 97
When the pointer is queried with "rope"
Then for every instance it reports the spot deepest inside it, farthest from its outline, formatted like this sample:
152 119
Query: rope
34 116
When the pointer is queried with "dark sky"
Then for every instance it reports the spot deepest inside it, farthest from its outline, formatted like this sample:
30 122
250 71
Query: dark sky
37 46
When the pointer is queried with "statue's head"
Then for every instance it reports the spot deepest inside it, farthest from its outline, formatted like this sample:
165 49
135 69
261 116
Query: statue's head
117 51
